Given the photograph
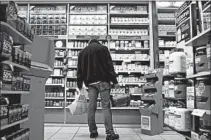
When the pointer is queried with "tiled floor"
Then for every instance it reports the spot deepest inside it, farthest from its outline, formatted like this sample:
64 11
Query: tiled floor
82 133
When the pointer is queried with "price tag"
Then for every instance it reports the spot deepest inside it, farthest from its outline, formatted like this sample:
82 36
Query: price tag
198 112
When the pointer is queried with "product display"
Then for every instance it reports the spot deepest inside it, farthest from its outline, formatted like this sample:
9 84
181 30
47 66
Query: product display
71 84
6 43
22 134
132 20
129 32
55 81
54 103
128 44
88 30
13 113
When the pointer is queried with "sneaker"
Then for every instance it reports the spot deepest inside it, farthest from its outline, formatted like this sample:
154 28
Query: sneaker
112 137
93 135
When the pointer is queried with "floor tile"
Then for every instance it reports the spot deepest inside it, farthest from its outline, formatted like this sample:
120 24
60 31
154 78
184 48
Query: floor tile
172 137
169 133
125 131
68 130
147 137
62 136
129 137
51 129
83 130
47 135
82 137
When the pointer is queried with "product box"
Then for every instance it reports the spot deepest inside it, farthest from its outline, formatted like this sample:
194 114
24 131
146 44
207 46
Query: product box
190 97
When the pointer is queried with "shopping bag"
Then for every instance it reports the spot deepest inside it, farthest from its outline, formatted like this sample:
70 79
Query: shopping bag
80 105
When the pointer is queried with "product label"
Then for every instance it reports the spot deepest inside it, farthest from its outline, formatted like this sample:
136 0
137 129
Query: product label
145 122
190 97
183 31
184 16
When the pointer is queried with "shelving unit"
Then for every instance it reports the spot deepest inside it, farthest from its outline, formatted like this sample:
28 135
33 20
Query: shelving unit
142 43
15 113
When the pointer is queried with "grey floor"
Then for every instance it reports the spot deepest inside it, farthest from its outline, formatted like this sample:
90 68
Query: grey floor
126 133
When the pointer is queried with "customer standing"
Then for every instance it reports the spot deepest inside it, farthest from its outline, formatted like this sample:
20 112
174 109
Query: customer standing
96 70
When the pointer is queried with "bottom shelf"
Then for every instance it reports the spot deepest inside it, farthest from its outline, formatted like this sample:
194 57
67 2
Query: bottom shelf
13 124
186 134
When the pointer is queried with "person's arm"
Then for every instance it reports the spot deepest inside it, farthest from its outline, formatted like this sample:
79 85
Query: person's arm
110 66
79 73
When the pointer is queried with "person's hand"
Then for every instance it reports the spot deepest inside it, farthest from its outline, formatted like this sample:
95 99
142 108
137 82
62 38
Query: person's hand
117 86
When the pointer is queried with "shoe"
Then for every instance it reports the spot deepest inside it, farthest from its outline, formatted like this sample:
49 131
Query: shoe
112 137
93 135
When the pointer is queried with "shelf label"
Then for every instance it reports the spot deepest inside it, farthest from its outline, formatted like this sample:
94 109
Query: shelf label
182 8
183 16
129 37
184 32
145 122
198 112
87 37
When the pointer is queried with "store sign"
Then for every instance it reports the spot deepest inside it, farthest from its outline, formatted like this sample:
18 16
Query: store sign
129 37
183 17
145 122
182 8
184 31
87 37
88 9
47 9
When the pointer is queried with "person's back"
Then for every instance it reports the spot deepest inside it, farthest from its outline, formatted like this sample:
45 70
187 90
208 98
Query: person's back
95 69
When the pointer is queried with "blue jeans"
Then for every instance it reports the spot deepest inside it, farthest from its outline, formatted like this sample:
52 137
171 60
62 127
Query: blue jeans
104 89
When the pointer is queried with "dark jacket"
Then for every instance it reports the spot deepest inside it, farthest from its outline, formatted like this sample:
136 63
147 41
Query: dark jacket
95 64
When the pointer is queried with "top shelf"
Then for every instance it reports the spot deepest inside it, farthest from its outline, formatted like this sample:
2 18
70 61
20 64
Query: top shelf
18 38
199 40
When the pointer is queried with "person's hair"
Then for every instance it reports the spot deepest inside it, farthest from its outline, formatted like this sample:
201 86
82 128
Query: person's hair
93 41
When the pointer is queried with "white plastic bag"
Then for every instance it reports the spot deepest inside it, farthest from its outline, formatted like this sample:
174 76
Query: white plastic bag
80 105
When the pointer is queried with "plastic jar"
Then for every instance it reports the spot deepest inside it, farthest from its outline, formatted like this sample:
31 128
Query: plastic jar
5 46
209 55
201 62
203 93
205 133
177 62
182 119
180 85
171 116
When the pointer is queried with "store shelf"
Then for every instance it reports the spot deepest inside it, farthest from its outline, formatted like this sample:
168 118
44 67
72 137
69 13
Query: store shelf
174 99
86 37
60 76
14 92
58 67
130 24
121 108
59 56
72 67
129 72
126 14
88 24
57 107
201 112
131 60
128 49
70 98
200 74
13 124
65 24
200 40
124 84
55 98
69 77
207 9
56 37
54 85
166 48
75 48
18 38
136 38
20 67
63 48
166 21
88 13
